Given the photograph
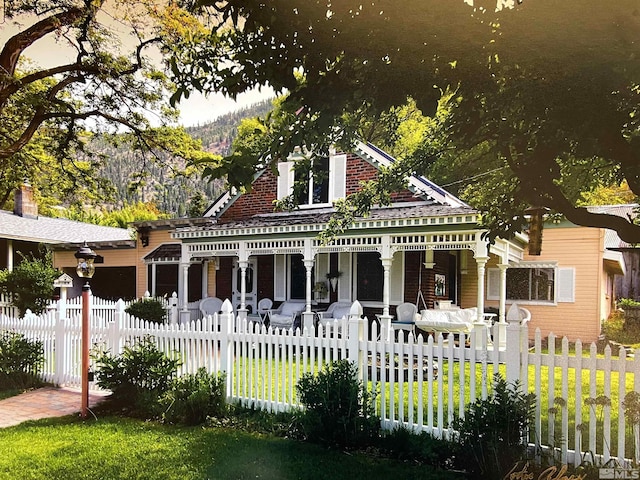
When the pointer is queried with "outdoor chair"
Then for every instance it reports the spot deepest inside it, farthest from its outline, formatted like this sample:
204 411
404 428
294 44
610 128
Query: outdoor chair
405 317
210 306
285 315
264 307
336 311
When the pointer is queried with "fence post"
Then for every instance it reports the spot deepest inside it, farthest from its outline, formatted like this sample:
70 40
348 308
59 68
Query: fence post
513 345
226 347
173 308
61 349
356 334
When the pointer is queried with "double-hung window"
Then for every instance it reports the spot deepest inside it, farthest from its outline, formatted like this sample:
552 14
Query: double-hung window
533 283
322 184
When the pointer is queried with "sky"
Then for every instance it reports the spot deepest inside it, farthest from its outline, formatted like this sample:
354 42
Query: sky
197 110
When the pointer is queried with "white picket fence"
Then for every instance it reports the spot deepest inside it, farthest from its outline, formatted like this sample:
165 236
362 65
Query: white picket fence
422 383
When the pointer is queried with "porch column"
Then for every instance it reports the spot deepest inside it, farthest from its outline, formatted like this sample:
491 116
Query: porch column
243 263
242 311
386 257
153 279
307 315
185 315
502 324
386 286
481 263
10 255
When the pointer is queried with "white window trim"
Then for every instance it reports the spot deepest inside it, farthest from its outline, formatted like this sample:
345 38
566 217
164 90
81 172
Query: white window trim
493 275
337 180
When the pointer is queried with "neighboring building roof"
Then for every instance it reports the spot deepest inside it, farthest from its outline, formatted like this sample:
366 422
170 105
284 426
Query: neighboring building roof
167 252
57 230
611 238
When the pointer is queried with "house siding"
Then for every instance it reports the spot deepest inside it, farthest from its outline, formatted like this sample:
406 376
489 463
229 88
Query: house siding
359 170
577 247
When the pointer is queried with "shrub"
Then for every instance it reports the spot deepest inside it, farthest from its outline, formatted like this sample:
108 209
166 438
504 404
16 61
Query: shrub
339 408
30 284
137 377
492 436
20 361
404 444
617 330
192 398
628 302
150 309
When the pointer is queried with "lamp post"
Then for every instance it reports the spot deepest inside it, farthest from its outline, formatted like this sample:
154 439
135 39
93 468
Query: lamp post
85 269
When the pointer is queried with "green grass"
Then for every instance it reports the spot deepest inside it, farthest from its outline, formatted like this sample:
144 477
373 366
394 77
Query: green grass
9 393
116 448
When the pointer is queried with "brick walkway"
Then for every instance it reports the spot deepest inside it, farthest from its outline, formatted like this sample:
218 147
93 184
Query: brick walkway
44 402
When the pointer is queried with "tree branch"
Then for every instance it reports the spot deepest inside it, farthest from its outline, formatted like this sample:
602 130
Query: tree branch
14 47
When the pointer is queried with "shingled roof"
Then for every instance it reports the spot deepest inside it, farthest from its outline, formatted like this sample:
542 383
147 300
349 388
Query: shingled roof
57 230
419 209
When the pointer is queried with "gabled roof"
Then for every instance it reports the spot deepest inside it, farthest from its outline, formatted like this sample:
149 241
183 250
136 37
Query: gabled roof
57 230
417 184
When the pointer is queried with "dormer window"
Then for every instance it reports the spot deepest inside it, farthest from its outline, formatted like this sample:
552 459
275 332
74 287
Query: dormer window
325 183
316 183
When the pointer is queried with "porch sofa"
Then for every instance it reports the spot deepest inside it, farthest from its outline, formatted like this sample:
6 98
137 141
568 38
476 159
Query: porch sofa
285 315
447 321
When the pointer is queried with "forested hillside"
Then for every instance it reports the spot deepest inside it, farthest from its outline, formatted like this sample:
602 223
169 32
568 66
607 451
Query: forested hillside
218 135
167 181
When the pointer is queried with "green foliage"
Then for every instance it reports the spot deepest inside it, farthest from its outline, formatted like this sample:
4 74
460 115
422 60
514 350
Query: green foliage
193 398
30 284
492 436
628 302
617 330
339 410
403 444
557 124
20 361
137 377
149 309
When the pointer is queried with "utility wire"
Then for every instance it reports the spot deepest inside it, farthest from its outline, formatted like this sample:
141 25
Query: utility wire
473 178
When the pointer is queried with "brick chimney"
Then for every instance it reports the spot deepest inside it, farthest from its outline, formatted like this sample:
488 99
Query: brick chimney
24 204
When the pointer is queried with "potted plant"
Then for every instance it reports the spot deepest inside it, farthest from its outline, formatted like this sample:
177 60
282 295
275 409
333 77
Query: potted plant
333 279
321 290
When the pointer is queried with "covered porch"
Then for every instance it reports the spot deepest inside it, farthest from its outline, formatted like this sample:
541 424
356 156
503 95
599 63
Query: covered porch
417 253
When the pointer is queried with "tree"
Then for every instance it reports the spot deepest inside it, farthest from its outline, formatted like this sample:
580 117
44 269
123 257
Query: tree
30 283
104 76
547 90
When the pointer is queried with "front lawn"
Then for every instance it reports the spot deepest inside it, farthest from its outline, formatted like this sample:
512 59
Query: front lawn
120 448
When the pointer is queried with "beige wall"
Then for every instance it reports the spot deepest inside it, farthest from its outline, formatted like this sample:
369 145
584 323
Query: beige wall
133 257
577 247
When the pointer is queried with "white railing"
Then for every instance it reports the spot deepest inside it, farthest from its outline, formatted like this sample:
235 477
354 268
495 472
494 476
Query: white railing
422 384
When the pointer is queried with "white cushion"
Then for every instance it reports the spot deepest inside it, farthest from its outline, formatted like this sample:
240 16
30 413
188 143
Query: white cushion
341 312
289 308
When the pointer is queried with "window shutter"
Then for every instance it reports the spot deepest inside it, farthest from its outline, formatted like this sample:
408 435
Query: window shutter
285 179
565 291
344 282
493 284
280 278
337 177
